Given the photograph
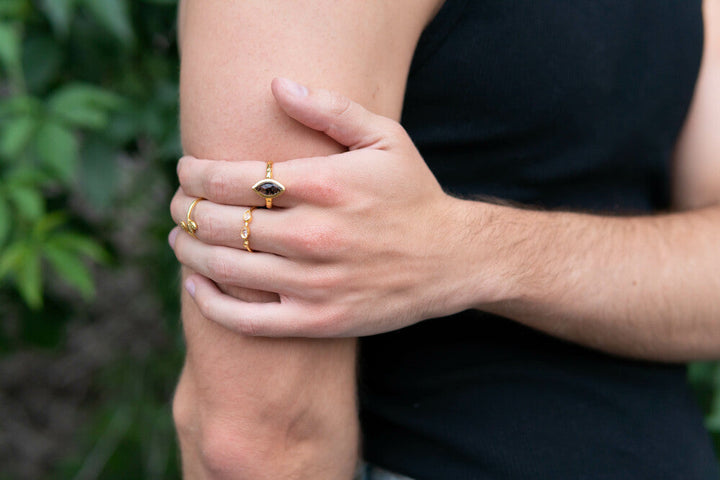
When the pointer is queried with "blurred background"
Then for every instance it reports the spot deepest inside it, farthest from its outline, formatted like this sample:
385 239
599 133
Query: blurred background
90 343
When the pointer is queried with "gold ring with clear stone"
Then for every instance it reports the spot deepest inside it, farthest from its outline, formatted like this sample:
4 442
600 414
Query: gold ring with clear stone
245 232
269 188
190 226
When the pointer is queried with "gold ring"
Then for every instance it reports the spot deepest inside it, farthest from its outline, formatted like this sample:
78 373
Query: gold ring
268 188
189 225
245 232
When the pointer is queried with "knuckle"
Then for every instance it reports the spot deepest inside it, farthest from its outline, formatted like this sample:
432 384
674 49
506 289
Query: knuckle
208 225
324 187
247 327
221 270
339 104
320 281
327 321
394 129
317 240
215 185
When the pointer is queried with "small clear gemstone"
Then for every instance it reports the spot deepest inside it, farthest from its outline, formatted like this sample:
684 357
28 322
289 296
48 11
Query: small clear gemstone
247 215
244 233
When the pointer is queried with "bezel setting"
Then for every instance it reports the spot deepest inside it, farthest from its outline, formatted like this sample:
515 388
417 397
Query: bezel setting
279 186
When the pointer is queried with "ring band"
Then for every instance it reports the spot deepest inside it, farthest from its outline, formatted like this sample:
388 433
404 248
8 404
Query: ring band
190 226
245 232
269 188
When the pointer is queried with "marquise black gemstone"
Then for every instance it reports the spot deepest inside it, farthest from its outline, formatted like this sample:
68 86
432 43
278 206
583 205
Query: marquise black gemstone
269 188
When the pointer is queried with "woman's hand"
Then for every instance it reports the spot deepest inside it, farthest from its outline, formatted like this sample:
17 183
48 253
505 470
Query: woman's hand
360 243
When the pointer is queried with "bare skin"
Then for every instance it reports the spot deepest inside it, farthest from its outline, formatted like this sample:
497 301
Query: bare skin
260 408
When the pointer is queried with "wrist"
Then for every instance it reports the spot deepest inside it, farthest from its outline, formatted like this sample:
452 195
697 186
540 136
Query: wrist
490 255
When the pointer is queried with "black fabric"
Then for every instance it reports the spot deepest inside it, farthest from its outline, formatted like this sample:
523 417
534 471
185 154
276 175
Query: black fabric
572 104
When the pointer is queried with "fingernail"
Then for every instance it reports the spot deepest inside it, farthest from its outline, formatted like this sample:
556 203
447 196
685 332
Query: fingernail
171 238
190 287
294 88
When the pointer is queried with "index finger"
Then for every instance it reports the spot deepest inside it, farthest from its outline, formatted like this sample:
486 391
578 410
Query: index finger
231 183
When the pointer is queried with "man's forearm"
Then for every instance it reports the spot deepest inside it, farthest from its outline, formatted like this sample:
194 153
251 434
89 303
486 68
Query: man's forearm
259 408
642 287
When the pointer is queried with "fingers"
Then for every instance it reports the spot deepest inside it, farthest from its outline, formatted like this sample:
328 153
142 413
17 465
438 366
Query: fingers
300 233
306 180
224 224
273 319
230 266
228 182
345 121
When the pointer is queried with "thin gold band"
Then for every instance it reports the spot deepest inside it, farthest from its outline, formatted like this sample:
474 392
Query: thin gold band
268 174
190 226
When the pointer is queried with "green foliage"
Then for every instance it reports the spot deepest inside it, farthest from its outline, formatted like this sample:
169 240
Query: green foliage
88 95
79 102
705 377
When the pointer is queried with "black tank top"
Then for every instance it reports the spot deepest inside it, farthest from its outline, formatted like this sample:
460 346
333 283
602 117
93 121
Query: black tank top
572 104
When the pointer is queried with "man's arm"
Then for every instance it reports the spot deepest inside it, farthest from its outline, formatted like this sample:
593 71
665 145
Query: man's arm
253 407
644 287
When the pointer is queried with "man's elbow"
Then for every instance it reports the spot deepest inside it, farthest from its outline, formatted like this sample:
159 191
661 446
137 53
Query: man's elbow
270 442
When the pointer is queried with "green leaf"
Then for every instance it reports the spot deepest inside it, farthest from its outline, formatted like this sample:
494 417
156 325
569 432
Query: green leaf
113 15
5 221
11 258
28 201
701 373
19 105
29 277
48 223
82 245
58 148
83 105
69 266
713 419
9 46
16 135
59 12
13 8
24 176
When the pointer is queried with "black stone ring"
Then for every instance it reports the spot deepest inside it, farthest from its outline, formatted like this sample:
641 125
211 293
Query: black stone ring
268 188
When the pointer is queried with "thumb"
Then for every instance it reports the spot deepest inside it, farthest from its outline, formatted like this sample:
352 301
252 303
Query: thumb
343 120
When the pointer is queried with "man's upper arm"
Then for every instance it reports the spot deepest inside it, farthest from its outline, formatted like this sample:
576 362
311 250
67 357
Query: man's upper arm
697 157
231 50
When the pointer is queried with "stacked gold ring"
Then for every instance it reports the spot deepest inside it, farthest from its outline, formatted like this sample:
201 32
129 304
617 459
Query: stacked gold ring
269 188
245 232
189 225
